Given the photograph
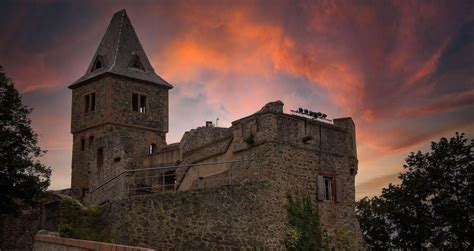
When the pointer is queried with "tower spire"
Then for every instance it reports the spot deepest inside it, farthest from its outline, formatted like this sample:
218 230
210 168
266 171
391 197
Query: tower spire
121 53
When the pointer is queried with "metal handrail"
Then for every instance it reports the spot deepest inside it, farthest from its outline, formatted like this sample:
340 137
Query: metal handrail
164 167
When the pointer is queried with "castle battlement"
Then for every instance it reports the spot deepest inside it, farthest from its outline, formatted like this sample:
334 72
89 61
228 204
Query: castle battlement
223 146
121 159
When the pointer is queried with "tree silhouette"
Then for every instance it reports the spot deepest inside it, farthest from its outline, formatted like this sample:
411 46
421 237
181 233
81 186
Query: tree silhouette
22 176
432 207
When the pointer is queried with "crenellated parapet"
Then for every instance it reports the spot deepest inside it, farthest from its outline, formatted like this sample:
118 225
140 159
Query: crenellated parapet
272 125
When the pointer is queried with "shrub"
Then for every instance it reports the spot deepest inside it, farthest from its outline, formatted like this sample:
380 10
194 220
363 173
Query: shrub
81 222
344 240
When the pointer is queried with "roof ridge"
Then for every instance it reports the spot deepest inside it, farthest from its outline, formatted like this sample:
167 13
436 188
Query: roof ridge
118 39
117 48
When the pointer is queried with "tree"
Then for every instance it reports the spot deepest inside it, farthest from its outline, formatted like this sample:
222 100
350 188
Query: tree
22 176
374 224
433 205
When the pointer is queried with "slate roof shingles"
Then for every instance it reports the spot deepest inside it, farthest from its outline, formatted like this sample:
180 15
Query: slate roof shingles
118 47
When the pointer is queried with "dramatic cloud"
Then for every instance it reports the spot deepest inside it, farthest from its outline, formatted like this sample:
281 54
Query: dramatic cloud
403 70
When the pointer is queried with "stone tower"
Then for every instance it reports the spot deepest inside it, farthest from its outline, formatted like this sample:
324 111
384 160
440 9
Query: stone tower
119 111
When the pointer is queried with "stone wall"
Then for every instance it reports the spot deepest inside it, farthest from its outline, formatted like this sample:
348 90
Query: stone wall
165 155
297 171
201 136
243 208
123 149
234 180
287 151
113 96
17 232
245 216
81 119
156 116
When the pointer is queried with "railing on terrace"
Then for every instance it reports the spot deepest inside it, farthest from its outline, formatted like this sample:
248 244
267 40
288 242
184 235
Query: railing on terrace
170 178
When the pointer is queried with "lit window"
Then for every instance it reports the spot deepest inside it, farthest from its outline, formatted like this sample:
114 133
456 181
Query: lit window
139 103
142 103
89 102
152 148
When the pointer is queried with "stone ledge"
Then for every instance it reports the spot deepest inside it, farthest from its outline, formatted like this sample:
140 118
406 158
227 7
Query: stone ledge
91 245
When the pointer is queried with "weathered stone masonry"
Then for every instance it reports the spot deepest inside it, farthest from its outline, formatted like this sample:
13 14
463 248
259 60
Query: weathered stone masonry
281 165
111 130
226 188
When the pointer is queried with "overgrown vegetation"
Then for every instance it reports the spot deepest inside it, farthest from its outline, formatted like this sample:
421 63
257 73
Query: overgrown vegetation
304 231
82 222
433 205
250 139
344 240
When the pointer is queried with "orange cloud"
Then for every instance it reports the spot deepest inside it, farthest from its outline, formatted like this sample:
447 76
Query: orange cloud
426 68
229 45
232 44
343 83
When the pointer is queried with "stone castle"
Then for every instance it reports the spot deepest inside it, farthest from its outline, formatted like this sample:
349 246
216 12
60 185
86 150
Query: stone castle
218 188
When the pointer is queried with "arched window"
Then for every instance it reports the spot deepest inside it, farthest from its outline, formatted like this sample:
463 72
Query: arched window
152 148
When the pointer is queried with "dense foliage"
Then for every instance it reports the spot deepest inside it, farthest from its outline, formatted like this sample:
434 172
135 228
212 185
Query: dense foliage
22 176
80 222
432 207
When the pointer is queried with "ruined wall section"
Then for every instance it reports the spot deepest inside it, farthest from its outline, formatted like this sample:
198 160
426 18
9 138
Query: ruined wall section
202 136
252 164
243 204
165 155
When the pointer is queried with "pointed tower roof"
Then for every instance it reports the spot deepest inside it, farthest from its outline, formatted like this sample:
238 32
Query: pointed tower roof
121 53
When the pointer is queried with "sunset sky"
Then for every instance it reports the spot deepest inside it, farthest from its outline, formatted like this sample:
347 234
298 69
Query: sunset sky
403 70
